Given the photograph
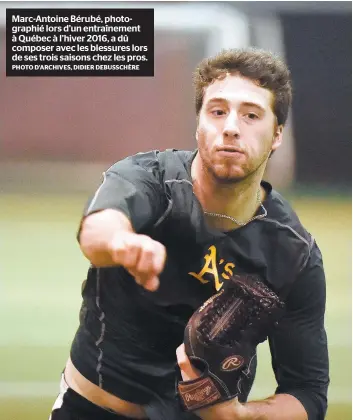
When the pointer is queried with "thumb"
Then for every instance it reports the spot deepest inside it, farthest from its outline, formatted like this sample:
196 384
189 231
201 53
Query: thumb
187 370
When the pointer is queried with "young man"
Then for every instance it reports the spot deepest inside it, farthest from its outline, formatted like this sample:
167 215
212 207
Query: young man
166 230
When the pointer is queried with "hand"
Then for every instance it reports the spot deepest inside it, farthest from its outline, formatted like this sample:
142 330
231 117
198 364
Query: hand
228 410
187 370
142 257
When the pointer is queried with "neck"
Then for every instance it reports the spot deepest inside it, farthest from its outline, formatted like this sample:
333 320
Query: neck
238 200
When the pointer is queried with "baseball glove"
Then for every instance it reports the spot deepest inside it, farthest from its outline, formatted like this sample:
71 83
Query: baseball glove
221 339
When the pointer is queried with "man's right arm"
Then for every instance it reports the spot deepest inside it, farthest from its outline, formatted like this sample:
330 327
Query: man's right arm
97 235
128 200
107 239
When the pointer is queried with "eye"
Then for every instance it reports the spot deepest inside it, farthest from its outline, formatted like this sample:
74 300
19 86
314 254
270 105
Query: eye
217 112
252 116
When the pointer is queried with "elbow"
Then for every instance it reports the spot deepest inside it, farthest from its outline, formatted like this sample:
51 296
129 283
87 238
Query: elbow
97 232
314 402
89 240
87 247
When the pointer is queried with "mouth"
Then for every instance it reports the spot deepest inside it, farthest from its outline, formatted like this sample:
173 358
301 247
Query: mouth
229 150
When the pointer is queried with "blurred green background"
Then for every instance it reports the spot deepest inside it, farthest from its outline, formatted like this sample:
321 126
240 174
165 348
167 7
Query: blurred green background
42 270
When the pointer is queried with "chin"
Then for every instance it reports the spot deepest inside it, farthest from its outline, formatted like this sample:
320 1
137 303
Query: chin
229 176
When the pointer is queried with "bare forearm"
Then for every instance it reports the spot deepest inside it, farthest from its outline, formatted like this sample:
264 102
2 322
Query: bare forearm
107 238
277 407
97 233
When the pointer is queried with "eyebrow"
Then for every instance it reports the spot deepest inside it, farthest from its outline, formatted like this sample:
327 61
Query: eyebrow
245 103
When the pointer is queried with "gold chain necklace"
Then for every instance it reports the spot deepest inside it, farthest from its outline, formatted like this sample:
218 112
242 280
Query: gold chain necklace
238 222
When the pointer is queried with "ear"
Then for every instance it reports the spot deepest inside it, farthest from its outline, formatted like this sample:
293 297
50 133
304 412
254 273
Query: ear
197 127
277 138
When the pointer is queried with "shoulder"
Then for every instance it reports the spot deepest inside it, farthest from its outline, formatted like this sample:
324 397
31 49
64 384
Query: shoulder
282 219
280 212
144 160
170 162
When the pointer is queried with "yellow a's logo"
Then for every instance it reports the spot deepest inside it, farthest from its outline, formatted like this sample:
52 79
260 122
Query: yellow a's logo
210 267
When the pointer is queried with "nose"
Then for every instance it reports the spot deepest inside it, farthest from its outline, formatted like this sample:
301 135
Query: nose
231 127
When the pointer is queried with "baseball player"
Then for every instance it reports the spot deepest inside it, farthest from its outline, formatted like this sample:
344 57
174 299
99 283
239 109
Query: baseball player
194 247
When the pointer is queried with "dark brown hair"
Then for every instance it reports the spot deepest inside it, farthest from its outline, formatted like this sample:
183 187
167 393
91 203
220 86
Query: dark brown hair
264 67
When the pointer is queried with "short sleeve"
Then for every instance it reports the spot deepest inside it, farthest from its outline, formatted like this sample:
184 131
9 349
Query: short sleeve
133 189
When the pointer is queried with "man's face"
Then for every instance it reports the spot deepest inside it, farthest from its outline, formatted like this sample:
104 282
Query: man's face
237 129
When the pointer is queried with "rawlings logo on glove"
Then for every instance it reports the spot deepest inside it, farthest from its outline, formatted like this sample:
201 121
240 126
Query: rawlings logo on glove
221 339
232 363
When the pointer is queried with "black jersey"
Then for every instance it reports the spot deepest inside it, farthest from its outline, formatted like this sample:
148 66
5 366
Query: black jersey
127 336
